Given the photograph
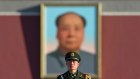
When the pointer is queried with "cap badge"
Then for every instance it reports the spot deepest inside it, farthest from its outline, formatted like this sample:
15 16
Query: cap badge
72 54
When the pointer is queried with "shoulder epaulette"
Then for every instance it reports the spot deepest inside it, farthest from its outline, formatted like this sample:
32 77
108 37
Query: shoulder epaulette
60 77
87 76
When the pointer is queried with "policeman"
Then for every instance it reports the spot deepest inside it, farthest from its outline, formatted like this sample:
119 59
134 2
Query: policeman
72 61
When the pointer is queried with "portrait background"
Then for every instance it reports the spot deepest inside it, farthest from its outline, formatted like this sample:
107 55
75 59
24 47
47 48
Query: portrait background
88 12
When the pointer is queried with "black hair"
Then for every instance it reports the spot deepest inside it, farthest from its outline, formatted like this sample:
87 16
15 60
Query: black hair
60 16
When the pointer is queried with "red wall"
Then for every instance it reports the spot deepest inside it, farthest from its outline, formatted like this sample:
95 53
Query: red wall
121 47
20 47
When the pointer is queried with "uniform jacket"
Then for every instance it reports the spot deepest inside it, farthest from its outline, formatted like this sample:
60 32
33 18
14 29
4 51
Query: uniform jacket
78 75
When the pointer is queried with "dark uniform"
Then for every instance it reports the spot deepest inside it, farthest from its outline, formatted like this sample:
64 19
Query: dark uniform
78 75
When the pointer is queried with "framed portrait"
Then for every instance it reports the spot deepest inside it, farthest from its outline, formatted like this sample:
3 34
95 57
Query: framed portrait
70 27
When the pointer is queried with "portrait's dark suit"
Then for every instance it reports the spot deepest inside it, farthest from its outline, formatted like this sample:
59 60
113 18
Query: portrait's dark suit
56 62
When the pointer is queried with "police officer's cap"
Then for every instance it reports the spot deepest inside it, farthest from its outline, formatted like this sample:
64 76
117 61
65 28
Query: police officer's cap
72 56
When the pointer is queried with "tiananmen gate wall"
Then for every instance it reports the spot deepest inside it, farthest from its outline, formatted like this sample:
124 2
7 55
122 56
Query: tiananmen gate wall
20 44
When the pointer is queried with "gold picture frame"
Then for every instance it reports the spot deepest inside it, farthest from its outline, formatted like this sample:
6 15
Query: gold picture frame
99 37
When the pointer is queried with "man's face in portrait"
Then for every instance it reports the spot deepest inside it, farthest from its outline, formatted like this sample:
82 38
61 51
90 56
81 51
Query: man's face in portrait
70 32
